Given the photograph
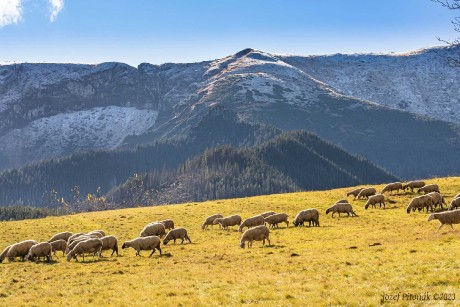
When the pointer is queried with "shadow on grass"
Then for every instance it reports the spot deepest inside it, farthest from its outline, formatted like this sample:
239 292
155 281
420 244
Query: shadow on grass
166 255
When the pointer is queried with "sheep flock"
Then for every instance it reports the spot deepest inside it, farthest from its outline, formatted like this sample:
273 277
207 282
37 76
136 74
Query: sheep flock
75 246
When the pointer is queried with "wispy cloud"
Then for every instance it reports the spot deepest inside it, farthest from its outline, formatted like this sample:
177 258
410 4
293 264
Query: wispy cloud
56 7
10 12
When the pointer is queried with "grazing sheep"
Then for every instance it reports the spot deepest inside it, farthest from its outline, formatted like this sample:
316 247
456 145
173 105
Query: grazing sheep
341 208
75 241
268 213
144 244
110 242
413 185
91 246
258 233
59 245
251 222
169 224
365 193
228 221
429 188
310 215
178 233
438 199
274 219
454 204
42 249
375 199
74 236
20 249
4 253
446 218
355 192
157 229
395 186
209 220
60 236
419 203
97 233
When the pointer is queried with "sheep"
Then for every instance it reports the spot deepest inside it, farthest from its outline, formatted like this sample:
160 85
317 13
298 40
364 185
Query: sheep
209 220
4 253
157 229
268 213
98 233
75 241
178 233
251 222
429 188
392 187
454 204
42 249
355 192
89 246
419 203
447 217
59 245
228 221
413 185
20 249
457 196
110 242
258 233
375 199
144 243
60 236
341 208
366 193
169 224
275 219
310 215
438 199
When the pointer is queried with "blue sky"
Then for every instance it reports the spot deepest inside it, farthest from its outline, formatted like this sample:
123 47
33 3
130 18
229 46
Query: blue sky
136 31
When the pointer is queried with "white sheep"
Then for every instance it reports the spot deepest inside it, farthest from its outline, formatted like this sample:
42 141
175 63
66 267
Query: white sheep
178 233
228 221
258 233
310 215
97 233
395 186
75 241
169 224
274 219
60 236
4 253
355 192
454 204
251 222
341 208
144 243
91 246
413 185
38 250
59 245
429 188
74 236
446 218
438 199
365 193
375 199
419 203
156 229
20 249
209 220
110 242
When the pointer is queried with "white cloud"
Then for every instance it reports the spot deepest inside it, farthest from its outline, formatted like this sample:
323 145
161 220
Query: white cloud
10 12
56 7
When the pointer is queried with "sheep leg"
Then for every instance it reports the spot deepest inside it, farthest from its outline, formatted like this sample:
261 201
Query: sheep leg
151 253
188 238
451 226
182 242
158 247
440 226
174 241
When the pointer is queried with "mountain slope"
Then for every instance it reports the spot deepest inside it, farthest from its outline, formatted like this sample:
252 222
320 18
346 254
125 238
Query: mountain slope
292 162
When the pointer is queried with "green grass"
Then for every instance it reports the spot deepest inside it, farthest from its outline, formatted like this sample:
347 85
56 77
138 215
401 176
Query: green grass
303 266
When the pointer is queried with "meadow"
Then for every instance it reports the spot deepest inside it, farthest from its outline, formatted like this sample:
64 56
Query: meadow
345 261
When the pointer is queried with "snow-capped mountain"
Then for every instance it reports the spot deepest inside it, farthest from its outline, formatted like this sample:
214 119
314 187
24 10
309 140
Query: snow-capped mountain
47 110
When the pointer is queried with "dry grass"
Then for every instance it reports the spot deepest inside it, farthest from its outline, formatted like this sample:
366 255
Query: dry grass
306 266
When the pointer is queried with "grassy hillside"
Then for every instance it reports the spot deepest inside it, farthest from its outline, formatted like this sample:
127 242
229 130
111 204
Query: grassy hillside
307 266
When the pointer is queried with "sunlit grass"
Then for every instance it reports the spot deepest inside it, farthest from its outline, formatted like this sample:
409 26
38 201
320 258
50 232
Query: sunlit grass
334 264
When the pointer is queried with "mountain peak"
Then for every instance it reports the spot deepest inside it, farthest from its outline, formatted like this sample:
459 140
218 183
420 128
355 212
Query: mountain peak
244 52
